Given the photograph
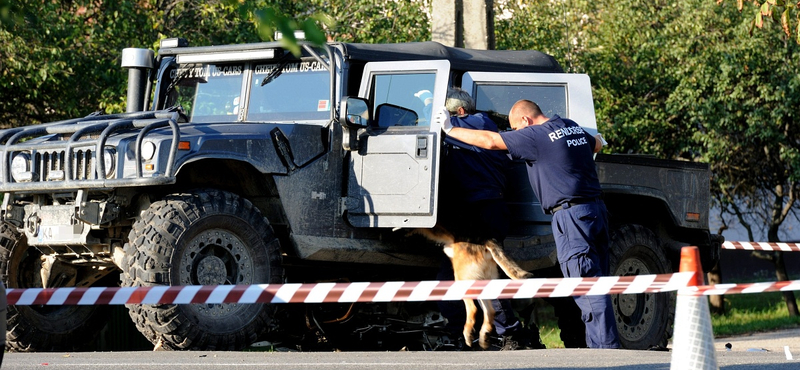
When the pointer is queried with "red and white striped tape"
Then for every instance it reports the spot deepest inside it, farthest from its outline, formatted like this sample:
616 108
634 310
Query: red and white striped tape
351 292
762 246
720 289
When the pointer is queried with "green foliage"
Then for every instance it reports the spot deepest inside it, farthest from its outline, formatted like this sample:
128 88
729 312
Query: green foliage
632 56
782 12
268 22
557 28
741 93
376 21
47 45
62 59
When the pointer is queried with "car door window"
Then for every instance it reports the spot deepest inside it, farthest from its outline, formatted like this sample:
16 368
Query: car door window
497 99
411 91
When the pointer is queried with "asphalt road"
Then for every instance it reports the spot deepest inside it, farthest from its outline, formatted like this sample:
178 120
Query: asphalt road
759 351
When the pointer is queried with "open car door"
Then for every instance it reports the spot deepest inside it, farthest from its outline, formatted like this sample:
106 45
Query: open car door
393 174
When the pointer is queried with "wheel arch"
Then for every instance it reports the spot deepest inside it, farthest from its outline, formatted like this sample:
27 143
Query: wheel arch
235 176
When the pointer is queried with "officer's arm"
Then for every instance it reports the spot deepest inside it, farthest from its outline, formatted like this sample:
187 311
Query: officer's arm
480 138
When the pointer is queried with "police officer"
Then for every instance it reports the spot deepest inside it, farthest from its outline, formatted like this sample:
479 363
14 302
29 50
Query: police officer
474 209
562 173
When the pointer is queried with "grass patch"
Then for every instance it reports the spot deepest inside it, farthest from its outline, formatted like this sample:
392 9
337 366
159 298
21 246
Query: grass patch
750 313
745 314
548 325
551 334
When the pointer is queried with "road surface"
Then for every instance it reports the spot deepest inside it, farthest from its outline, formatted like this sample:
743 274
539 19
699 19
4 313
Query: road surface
755 352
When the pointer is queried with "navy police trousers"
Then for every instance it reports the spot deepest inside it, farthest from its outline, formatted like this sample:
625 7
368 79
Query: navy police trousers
581 235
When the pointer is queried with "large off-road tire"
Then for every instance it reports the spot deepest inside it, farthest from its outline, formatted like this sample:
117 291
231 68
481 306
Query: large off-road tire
205 237
42 328
644 320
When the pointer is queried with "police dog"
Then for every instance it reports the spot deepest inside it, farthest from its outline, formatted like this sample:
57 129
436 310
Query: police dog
475 262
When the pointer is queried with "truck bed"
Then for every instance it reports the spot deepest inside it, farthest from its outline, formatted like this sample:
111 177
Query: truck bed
682 185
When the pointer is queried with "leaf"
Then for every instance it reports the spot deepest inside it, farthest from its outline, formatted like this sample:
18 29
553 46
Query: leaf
776 16
766 9
785 22
313 33
759 21
324 19
798 32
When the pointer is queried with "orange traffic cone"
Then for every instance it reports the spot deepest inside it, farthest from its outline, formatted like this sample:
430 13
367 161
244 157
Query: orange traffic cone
693 338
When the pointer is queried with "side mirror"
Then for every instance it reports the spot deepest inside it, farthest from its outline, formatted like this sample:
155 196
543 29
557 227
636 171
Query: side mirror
354 113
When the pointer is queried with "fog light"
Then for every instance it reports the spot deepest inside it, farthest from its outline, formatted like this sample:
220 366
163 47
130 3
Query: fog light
148 150
108 162
21 167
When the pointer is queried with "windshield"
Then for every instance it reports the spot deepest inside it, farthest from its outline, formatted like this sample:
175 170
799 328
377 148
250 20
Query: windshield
215 92
208 92
300 92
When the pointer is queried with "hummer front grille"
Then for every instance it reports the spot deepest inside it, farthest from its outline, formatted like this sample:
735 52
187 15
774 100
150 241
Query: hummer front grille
75 155
52 167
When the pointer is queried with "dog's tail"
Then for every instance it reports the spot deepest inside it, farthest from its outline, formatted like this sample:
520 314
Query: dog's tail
506 264
437 234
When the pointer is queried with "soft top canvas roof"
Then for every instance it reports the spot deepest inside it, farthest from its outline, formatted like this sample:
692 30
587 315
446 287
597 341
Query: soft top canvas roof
460 58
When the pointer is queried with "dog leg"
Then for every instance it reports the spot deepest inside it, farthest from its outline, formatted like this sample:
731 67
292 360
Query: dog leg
472 310
488 319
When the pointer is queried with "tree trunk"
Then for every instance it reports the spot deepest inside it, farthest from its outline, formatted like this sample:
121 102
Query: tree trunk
780 272
716 302
778 216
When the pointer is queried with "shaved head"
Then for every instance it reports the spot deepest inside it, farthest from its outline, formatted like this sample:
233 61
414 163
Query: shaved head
525 113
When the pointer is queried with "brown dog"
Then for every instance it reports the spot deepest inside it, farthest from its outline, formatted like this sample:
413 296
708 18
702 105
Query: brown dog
475 262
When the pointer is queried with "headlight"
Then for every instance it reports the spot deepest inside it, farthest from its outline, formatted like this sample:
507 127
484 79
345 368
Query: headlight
108 162
21 167
148 150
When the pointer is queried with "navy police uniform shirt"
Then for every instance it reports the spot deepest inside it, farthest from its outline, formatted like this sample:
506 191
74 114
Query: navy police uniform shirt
567 170
475 174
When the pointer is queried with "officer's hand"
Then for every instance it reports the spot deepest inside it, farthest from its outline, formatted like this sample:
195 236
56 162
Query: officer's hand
599 143
442 118
599 137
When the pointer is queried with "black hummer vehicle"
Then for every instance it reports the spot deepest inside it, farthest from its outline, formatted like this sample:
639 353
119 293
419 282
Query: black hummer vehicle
243 164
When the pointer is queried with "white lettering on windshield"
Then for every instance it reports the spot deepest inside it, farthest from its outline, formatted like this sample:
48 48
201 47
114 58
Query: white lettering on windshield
207 71
290 68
